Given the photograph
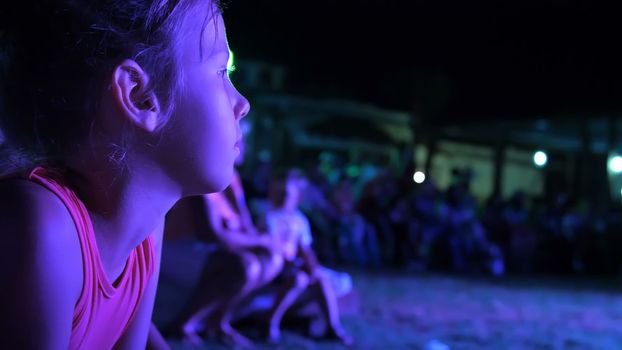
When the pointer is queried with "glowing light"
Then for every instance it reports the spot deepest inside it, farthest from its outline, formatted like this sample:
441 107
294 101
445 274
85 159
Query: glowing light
540 159
418 177
231 62
353 171
615 164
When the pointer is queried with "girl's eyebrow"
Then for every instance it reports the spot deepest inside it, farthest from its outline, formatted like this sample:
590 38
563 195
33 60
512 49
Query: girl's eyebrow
221 55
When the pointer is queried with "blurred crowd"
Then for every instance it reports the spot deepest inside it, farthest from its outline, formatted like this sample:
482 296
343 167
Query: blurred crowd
372 217
275 231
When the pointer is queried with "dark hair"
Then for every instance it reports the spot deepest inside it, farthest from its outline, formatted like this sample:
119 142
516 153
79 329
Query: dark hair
55 57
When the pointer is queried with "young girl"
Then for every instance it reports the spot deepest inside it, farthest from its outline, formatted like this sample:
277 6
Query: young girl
111 112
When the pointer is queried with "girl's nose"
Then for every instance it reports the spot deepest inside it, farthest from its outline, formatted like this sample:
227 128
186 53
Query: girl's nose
242 107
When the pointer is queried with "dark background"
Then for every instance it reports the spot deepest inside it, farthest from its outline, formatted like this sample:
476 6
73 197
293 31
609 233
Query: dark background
451 60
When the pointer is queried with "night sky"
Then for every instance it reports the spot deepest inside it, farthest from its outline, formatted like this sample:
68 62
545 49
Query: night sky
445 59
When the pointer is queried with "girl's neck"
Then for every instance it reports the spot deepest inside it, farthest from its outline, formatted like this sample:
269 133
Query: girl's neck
125 206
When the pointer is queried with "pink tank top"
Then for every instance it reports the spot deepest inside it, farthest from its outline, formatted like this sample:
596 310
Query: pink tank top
104 309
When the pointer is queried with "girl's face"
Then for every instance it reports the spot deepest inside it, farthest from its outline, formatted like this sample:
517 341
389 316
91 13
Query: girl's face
201 140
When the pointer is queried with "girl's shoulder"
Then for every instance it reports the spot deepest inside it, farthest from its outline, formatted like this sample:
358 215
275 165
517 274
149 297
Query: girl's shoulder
34 206
32 217
41 262
21 197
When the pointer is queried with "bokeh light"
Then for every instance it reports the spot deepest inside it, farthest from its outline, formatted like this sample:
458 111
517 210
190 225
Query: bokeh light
419 177
615 164
540 159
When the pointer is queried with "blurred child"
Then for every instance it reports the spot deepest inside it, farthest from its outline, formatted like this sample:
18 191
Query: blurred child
301 270
244 262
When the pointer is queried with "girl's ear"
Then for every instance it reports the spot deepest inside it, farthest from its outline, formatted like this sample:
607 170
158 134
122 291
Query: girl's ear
132 95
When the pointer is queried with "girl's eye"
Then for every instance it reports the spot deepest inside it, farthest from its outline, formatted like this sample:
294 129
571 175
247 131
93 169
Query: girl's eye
226 72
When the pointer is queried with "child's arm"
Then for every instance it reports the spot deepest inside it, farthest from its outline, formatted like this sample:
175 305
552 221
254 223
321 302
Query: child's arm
311 263
231 238
240 201
136 335
40 268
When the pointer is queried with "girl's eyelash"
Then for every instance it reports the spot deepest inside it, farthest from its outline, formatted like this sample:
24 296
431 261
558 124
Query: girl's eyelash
227 70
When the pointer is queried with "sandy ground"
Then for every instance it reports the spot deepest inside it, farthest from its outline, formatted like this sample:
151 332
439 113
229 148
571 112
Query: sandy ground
399 310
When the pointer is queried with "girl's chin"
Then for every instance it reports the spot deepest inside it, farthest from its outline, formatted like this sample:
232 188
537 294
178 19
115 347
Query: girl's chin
225 178
211 183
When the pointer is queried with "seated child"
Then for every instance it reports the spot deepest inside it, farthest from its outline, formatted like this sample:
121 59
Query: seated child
244 262
301 270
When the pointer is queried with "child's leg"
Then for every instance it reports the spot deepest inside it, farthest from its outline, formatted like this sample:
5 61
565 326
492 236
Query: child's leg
271 265
220 324
292 288
328 303
225 277
204 299
190 326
